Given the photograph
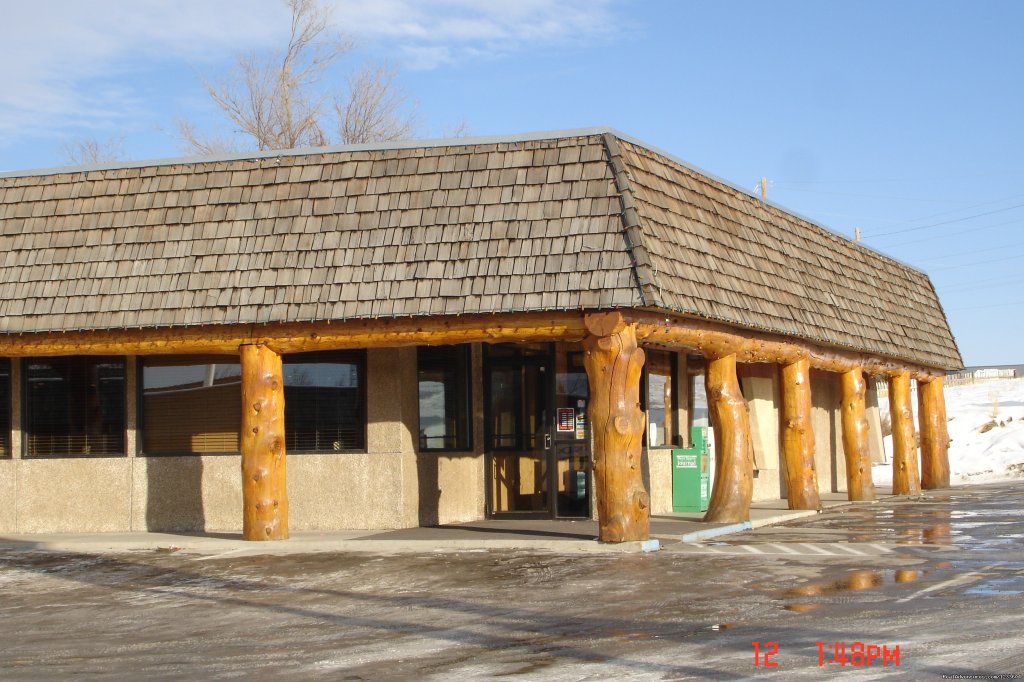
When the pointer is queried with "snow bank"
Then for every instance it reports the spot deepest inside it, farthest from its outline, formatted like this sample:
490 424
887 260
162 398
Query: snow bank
986 428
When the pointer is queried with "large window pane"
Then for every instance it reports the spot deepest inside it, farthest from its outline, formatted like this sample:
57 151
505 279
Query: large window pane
5 407
191 405
661 405
445 402
325 401
74 407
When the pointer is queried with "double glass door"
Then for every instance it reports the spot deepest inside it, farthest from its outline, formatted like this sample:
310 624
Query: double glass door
537 436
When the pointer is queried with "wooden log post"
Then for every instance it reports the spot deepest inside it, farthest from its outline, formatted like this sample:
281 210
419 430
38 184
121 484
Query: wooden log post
931 415
906 477
859 485
264 481
614 363
798 436
733 487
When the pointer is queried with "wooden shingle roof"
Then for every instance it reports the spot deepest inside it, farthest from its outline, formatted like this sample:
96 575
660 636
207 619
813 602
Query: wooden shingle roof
581 220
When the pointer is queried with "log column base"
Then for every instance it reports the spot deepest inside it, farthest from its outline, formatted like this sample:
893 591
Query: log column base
733 488
614 363
906 475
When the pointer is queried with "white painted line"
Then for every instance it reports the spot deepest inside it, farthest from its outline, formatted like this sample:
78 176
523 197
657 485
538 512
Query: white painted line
816 550
752 550
785 549
882 548
962 579
851 550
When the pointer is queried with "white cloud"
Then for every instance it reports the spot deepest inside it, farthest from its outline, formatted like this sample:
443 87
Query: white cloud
63 57
438 32
70 66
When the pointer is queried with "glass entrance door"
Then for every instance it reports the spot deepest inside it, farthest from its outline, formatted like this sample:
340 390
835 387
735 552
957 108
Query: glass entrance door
571 466
538 438
518 429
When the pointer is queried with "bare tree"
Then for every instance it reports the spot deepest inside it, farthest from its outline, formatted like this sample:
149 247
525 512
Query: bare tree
89 151
277 100
372 111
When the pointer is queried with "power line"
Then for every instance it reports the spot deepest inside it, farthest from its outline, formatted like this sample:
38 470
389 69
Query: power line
977 262
973 230
948 222
980 284
958 254
1009 304
879 196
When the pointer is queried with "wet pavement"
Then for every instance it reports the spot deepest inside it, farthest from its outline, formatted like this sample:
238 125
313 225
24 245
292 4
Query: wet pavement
942 578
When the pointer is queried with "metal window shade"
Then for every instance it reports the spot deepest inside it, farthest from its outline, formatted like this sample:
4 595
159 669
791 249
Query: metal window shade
325 401
5 407
74 406
191 405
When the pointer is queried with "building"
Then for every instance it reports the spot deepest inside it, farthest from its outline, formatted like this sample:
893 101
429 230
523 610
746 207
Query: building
455 329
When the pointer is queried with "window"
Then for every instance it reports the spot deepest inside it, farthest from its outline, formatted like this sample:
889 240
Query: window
698 397
446 421
74 407
662 429
191 405
325 401
5 407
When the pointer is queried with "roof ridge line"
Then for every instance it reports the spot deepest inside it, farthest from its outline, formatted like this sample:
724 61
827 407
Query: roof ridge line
422 143
646 277
749 195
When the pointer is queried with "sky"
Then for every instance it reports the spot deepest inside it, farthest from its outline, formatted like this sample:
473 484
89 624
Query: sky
902 119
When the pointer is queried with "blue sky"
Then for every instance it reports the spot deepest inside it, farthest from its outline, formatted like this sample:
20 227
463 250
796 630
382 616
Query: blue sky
901 118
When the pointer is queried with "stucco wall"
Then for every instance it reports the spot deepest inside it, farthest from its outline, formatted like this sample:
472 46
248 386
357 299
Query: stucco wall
377 489
657 467
451 484
9 494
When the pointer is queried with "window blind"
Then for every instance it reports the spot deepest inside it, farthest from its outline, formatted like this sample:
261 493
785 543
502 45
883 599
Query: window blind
74 406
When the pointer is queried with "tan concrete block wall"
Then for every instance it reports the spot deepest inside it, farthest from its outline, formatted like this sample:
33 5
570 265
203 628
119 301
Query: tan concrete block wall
829 458
760 384
876 442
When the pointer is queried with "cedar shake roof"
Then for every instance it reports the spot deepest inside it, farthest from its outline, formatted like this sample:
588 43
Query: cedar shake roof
587 219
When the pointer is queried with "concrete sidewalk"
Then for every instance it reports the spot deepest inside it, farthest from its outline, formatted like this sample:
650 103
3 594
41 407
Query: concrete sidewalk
544 535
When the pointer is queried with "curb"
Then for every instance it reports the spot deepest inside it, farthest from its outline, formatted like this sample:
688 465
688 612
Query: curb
238 548
708 533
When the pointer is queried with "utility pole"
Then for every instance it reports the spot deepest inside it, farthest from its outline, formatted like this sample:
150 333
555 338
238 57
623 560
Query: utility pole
764 187
856 234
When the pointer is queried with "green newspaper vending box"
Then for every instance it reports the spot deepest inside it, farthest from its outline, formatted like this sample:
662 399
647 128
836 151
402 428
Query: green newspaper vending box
691 482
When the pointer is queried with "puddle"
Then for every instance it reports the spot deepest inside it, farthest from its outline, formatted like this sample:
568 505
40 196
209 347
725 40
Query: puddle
854 581
999 587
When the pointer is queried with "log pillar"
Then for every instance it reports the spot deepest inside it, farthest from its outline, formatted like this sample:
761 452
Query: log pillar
906 477
733 487
931 415
264 482
798 436
614 363
859 485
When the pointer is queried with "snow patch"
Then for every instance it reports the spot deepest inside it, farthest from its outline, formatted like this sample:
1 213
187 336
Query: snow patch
986 430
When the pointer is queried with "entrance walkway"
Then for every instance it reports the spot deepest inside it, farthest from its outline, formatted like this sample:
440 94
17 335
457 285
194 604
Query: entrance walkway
534 534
